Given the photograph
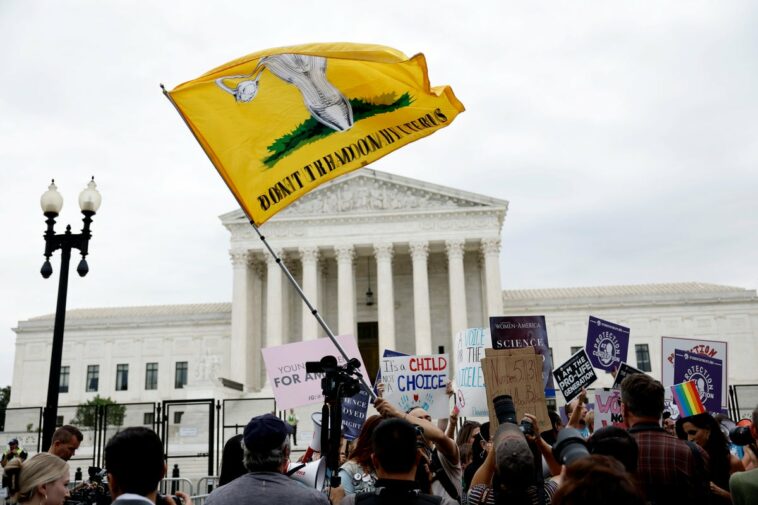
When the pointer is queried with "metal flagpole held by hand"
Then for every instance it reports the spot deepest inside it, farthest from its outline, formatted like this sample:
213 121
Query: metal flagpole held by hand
279 261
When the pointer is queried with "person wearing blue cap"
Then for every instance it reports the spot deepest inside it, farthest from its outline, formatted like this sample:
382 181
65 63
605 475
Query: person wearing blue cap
266 448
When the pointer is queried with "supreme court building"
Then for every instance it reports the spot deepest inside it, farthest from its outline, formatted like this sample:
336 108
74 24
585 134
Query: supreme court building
398 263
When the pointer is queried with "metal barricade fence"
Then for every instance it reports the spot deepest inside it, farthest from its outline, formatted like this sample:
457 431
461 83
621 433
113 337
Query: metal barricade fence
170 485
207 484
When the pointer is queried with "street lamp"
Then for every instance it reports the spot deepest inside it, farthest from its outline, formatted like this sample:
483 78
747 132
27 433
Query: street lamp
51 203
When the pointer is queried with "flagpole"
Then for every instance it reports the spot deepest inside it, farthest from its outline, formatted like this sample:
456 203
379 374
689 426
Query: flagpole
279 261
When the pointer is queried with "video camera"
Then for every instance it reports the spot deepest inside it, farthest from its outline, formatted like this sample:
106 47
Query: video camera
338 381
92 492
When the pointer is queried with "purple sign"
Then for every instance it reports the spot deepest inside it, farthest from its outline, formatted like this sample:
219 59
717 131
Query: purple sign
607 344
705 371
513 332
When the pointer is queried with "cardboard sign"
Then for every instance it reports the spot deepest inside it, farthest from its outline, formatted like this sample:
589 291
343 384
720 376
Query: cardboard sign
354 414
575 374
709 348
623 371
517 373
417 381
511 332
705 372
471 395
285 369
607 344
608 408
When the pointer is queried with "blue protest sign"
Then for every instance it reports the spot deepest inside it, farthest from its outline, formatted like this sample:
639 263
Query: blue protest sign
705 371
607 344
354 414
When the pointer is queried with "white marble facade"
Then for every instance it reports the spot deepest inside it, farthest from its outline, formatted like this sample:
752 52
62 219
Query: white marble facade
432 254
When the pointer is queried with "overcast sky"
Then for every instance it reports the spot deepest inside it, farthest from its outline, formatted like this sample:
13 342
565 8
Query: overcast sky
623 135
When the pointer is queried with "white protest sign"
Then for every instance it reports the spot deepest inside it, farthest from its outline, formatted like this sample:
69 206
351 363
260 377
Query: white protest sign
471 394
417 381
285 368
710 348
608 408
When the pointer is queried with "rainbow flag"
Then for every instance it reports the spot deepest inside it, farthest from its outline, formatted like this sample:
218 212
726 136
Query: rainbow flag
687 398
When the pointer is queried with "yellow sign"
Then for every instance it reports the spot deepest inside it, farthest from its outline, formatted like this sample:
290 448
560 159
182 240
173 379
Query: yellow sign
278 123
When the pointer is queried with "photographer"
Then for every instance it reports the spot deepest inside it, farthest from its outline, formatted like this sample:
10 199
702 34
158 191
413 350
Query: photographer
511 473
445 462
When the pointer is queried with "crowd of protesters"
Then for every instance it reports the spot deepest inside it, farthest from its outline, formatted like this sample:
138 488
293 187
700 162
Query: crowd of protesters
405 457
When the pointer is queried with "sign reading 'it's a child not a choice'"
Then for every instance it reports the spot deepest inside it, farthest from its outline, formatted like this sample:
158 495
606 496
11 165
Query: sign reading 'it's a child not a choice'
417 381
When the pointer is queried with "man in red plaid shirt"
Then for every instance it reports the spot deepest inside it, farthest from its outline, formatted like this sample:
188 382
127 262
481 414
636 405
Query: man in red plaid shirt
670 470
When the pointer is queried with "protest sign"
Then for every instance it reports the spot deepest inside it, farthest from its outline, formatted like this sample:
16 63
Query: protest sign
471 395
516 373
354 414
711 348
621 374
417 381
607 344
388 353
509 332
285 368
575 374
705 372
608 408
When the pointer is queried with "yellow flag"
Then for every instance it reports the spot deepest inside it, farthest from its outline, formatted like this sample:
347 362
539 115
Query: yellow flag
278 123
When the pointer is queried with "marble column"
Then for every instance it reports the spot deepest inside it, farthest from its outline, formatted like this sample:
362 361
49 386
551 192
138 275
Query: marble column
309 259
241 300
493 291
385 296
421 314
457 284
345 289
255 370
273 301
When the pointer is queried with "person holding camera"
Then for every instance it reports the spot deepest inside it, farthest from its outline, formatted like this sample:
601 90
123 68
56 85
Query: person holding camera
670 470
444 458
135 466
395 458
744 485
512 472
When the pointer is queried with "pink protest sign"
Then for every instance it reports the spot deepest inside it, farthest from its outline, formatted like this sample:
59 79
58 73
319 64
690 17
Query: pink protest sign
285 369
608 408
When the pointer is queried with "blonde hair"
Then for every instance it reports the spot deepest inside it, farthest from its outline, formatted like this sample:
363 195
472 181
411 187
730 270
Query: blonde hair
27 475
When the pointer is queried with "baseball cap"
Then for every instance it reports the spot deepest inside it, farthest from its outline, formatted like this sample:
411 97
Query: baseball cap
265 432
513 457
13 441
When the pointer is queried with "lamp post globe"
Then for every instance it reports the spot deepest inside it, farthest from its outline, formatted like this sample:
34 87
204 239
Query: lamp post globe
52 203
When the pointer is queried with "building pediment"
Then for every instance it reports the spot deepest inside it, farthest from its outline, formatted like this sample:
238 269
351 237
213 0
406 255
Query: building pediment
368 191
